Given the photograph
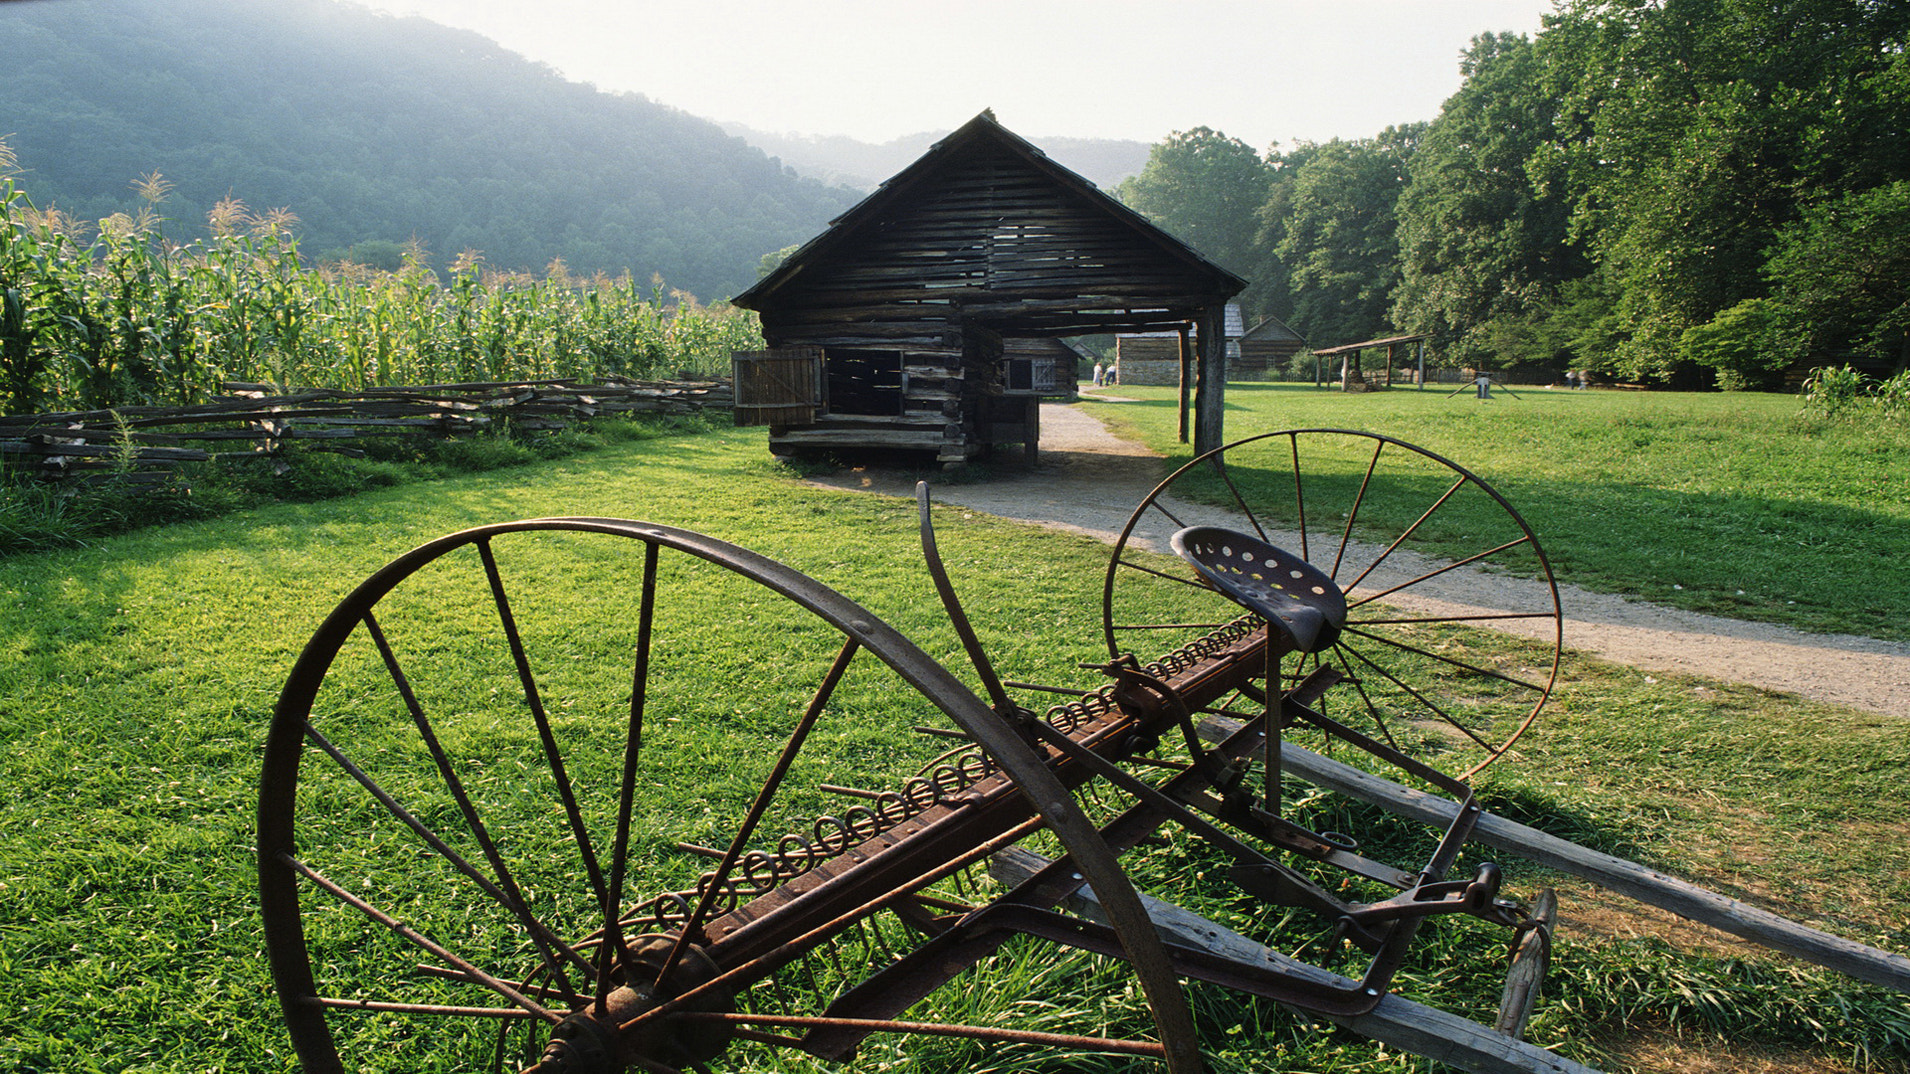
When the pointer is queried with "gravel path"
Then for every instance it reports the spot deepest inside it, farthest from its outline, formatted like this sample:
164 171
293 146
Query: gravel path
1089 482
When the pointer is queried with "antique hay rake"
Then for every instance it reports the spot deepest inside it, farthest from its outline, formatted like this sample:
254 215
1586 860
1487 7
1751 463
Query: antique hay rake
511 849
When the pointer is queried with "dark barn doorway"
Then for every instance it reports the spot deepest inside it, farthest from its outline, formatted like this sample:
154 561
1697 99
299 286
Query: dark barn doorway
864 381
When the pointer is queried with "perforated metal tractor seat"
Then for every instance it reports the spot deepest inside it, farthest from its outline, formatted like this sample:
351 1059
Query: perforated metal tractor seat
1292 595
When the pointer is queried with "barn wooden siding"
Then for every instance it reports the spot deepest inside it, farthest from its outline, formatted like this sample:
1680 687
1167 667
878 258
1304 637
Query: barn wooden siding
981 243
1264 346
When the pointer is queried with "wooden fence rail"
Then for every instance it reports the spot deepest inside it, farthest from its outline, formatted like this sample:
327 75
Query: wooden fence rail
146 444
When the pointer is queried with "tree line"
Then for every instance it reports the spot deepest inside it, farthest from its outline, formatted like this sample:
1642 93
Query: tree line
1672 191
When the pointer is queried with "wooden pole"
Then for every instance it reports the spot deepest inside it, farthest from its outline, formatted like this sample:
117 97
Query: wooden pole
1186 356
1530 955
1210 385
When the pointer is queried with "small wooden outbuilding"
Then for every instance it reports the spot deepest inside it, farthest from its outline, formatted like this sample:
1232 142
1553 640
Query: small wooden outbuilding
1158 357
1352 379
896 327
1265 346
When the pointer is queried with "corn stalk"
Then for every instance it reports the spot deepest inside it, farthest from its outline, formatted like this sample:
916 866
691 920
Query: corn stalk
129 317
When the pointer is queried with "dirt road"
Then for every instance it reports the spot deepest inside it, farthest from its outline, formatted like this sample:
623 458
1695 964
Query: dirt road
1089 482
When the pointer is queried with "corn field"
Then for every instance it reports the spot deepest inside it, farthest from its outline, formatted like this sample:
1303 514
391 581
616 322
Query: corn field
117 314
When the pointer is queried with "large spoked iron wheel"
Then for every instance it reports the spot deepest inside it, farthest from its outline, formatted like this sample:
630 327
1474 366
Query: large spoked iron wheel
515 768
1428 556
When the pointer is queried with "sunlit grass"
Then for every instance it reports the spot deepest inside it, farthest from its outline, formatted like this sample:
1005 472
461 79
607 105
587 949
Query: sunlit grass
1738 504
140 674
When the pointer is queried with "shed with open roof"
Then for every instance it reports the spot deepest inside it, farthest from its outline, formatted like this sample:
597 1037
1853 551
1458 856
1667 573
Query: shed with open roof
893 328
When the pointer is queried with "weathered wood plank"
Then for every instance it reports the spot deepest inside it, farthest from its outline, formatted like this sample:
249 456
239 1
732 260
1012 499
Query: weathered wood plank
1397 1021
1529 962
82 439
860 438
1646 885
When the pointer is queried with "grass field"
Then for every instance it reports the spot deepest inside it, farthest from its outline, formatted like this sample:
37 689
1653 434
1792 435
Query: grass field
1736 504
139 676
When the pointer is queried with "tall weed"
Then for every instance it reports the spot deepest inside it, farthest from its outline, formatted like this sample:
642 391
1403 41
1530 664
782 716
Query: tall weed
1893 396
1832 391
1846 394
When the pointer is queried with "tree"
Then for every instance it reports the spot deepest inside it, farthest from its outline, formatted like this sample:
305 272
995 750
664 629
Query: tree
1747 344
774 260
1691 132
1482 254
1340 239
1203 188
1270 290
1845 267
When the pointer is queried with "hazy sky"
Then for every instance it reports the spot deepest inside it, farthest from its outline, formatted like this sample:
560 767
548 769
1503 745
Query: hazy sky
1259 70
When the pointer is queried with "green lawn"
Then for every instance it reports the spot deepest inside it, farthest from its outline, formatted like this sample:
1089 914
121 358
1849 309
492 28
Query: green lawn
1736 504
138 676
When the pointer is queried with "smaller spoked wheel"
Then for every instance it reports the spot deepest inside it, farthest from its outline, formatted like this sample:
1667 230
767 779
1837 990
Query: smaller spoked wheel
1452 630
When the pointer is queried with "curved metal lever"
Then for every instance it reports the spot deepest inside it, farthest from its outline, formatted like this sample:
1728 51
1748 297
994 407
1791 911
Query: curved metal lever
991 682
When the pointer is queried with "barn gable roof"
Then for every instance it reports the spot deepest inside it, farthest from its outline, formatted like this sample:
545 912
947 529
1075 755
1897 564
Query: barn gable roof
986 221
1273 330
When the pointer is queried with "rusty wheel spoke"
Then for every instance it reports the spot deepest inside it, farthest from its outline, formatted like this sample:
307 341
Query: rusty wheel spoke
505 891
1403 533
1353 513
489 802
611 901
553 756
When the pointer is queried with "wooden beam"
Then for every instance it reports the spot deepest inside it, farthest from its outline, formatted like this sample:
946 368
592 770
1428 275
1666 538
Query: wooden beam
1531 954
1186 363
1629 878
1397 1021
1210 384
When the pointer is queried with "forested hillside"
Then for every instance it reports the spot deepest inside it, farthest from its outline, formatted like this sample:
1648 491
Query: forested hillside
374 130
1696 191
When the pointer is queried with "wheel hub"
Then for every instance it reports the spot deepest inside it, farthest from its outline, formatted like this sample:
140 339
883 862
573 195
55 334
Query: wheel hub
591 1041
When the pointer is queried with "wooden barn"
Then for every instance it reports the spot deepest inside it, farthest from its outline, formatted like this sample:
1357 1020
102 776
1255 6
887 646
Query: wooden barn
903 326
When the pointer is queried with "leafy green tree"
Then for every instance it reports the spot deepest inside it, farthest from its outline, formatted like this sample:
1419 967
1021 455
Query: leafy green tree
1748 344
1269 292
1690 132
1340 239
1482 254
1204 188
1845 267
774 259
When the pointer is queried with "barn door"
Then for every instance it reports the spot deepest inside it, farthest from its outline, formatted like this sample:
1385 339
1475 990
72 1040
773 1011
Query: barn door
779 386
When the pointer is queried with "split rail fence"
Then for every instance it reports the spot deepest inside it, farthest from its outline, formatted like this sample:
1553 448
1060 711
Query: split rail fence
148 444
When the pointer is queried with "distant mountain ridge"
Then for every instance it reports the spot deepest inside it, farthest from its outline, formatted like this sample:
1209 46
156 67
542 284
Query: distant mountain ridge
376 129
837 159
